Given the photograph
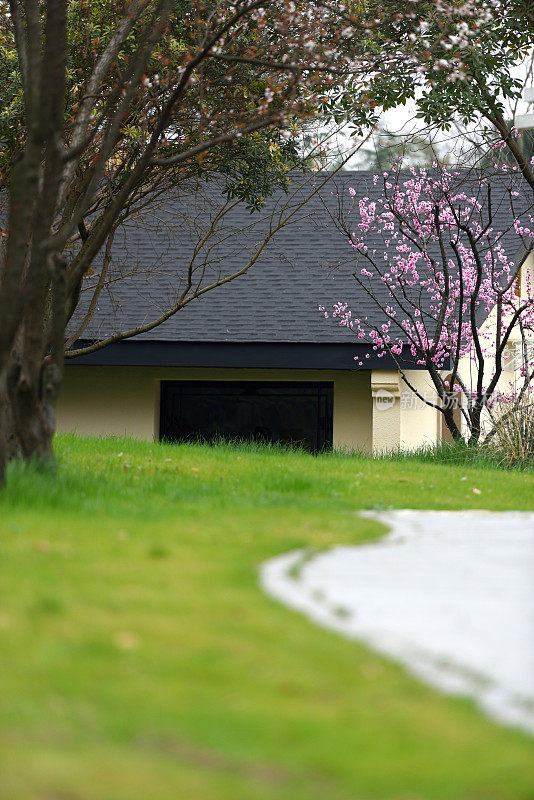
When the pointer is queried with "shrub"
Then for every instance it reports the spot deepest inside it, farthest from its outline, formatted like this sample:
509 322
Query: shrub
512 439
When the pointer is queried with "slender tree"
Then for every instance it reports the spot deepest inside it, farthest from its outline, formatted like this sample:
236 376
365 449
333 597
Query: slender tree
437 268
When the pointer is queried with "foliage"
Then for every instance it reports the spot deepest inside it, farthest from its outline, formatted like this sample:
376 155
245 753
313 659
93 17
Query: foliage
512 438
90 28
469 60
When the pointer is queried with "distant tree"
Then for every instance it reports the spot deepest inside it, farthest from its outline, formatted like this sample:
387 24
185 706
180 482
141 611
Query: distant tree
385 150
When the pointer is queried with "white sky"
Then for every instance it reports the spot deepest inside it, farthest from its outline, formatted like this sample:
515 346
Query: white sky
402 120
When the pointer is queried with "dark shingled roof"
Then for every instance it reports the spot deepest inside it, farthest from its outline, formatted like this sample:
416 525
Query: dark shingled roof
305 264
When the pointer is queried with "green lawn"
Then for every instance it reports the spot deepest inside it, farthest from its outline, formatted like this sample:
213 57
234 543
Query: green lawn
140 661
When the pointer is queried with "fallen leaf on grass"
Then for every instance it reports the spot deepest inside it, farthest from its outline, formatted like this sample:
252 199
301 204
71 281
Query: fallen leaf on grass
126 640
476 491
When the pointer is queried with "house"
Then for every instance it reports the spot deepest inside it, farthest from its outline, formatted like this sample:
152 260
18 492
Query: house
252 358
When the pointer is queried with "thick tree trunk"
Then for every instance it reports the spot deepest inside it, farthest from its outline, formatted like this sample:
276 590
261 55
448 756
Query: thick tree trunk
27 413
9 444
32 417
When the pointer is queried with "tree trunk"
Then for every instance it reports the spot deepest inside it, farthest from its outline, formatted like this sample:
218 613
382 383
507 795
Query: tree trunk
28 413
475 427
4 429
33 399
9 444
449 407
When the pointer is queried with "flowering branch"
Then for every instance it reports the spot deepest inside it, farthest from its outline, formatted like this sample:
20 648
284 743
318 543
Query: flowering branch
446 267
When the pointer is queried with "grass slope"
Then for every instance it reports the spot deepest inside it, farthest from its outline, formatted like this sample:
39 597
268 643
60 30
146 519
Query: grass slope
140 661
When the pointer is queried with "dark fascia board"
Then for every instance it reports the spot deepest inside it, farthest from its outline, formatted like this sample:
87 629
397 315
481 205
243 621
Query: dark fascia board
240 355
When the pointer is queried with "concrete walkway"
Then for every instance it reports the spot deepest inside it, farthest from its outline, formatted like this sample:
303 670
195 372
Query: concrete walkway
448 594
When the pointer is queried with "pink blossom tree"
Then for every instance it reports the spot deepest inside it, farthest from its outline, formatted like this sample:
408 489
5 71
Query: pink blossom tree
434 260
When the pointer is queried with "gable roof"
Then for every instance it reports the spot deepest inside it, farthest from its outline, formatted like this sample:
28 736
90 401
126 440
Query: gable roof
306 264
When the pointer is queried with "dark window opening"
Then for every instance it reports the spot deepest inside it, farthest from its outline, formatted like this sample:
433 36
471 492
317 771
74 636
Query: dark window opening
298 414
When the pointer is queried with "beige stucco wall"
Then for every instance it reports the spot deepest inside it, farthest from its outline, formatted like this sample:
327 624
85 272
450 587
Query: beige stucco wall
101 401
419 423
400 418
